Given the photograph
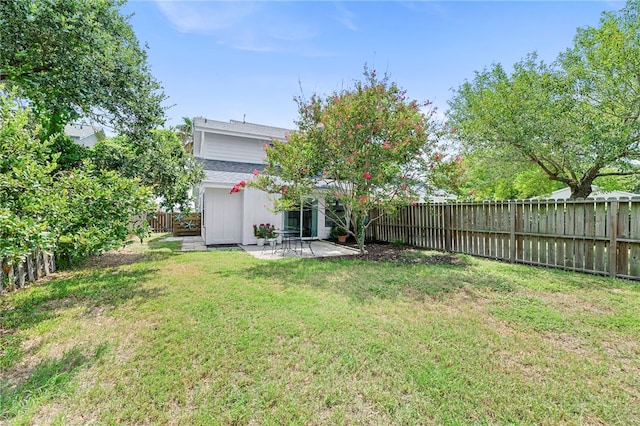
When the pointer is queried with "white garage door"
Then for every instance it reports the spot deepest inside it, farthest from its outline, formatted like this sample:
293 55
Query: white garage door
222 217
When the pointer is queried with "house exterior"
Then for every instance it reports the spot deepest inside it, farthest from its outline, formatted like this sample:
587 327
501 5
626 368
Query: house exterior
84 134
229 153
565 193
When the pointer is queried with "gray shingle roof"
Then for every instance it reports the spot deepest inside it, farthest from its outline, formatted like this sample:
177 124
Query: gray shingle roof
225 178
229 166
80 131
240 128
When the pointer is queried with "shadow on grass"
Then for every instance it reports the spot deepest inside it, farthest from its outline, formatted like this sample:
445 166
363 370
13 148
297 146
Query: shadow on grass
362 280
47 379
156 250
95 290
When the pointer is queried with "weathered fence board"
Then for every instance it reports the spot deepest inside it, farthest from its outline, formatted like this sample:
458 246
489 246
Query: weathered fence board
596 236
179 224
32 268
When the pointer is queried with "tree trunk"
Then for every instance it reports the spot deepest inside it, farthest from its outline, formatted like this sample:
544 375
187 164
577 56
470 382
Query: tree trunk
358 232
581 189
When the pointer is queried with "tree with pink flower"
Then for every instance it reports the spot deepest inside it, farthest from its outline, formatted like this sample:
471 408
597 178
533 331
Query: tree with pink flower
367 147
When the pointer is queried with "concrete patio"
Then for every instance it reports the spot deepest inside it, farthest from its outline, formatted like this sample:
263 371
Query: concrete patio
320 248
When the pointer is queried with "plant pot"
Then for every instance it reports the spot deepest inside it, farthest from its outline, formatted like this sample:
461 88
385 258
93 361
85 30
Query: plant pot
261 242
342 238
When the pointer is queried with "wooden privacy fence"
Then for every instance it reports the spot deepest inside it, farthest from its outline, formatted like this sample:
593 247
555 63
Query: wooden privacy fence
595 236
179 224
36 265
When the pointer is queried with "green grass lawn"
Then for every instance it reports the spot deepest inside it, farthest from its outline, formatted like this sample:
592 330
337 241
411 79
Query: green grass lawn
208 338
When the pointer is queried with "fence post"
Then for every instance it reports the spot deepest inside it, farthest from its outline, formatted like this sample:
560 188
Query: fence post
613 236
38 270
447 227
512 231
30 273
12 279
21 278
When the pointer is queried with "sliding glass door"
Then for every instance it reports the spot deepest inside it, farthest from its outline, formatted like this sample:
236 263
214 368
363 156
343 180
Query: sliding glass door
304 219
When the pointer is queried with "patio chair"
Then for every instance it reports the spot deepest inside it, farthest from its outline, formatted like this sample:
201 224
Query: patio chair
304 242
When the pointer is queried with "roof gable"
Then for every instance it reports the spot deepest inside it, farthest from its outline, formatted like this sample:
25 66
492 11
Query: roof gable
240 128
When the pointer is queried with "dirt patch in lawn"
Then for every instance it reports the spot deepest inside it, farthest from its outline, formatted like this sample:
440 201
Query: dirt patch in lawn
380 252
112 259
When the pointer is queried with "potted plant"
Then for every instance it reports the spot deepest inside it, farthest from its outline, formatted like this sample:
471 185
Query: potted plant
259 231
270 234
340 233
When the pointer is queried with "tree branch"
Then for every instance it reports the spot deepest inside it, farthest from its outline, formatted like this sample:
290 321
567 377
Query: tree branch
618 173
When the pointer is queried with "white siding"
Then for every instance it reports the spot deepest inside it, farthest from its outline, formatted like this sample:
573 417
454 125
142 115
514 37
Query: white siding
222 216
232 148
257 211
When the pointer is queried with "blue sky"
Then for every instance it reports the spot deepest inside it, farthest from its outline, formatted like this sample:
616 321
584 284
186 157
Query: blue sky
228 60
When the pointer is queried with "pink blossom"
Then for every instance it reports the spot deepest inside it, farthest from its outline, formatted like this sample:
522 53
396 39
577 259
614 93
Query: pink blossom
386 145
359 126
366 175
256 172
363 199
243 183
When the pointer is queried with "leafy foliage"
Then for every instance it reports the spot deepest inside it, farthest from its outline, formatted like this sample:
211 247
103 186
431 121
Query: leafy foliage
77 58
185 133
475 178
25 182
160 162
576 119
99 207
66 59
78 212
367 147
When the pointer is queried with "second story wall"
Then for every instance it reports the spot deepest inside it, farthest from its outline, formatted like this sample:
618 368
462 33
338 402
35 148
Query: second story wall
232 148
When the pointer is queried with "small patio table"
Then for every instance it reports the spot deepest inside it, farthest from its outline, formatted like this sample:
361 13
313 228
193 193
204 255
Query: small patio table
288 235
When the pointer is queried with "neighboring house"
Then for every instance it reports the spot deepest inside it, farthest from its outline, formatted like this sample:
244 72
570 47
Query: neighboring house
597 192
436 196
84 134
229 153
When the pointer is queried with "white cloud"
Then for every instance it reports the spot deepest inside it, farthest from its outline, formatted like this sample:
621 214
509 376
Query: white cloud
253 26
346 17
205 17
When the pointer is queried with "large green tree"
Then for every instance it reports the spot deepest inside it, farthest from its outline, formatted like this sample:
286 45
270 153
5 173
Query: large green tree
76 212
576 119
476 178
367 147
160 162
78 58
